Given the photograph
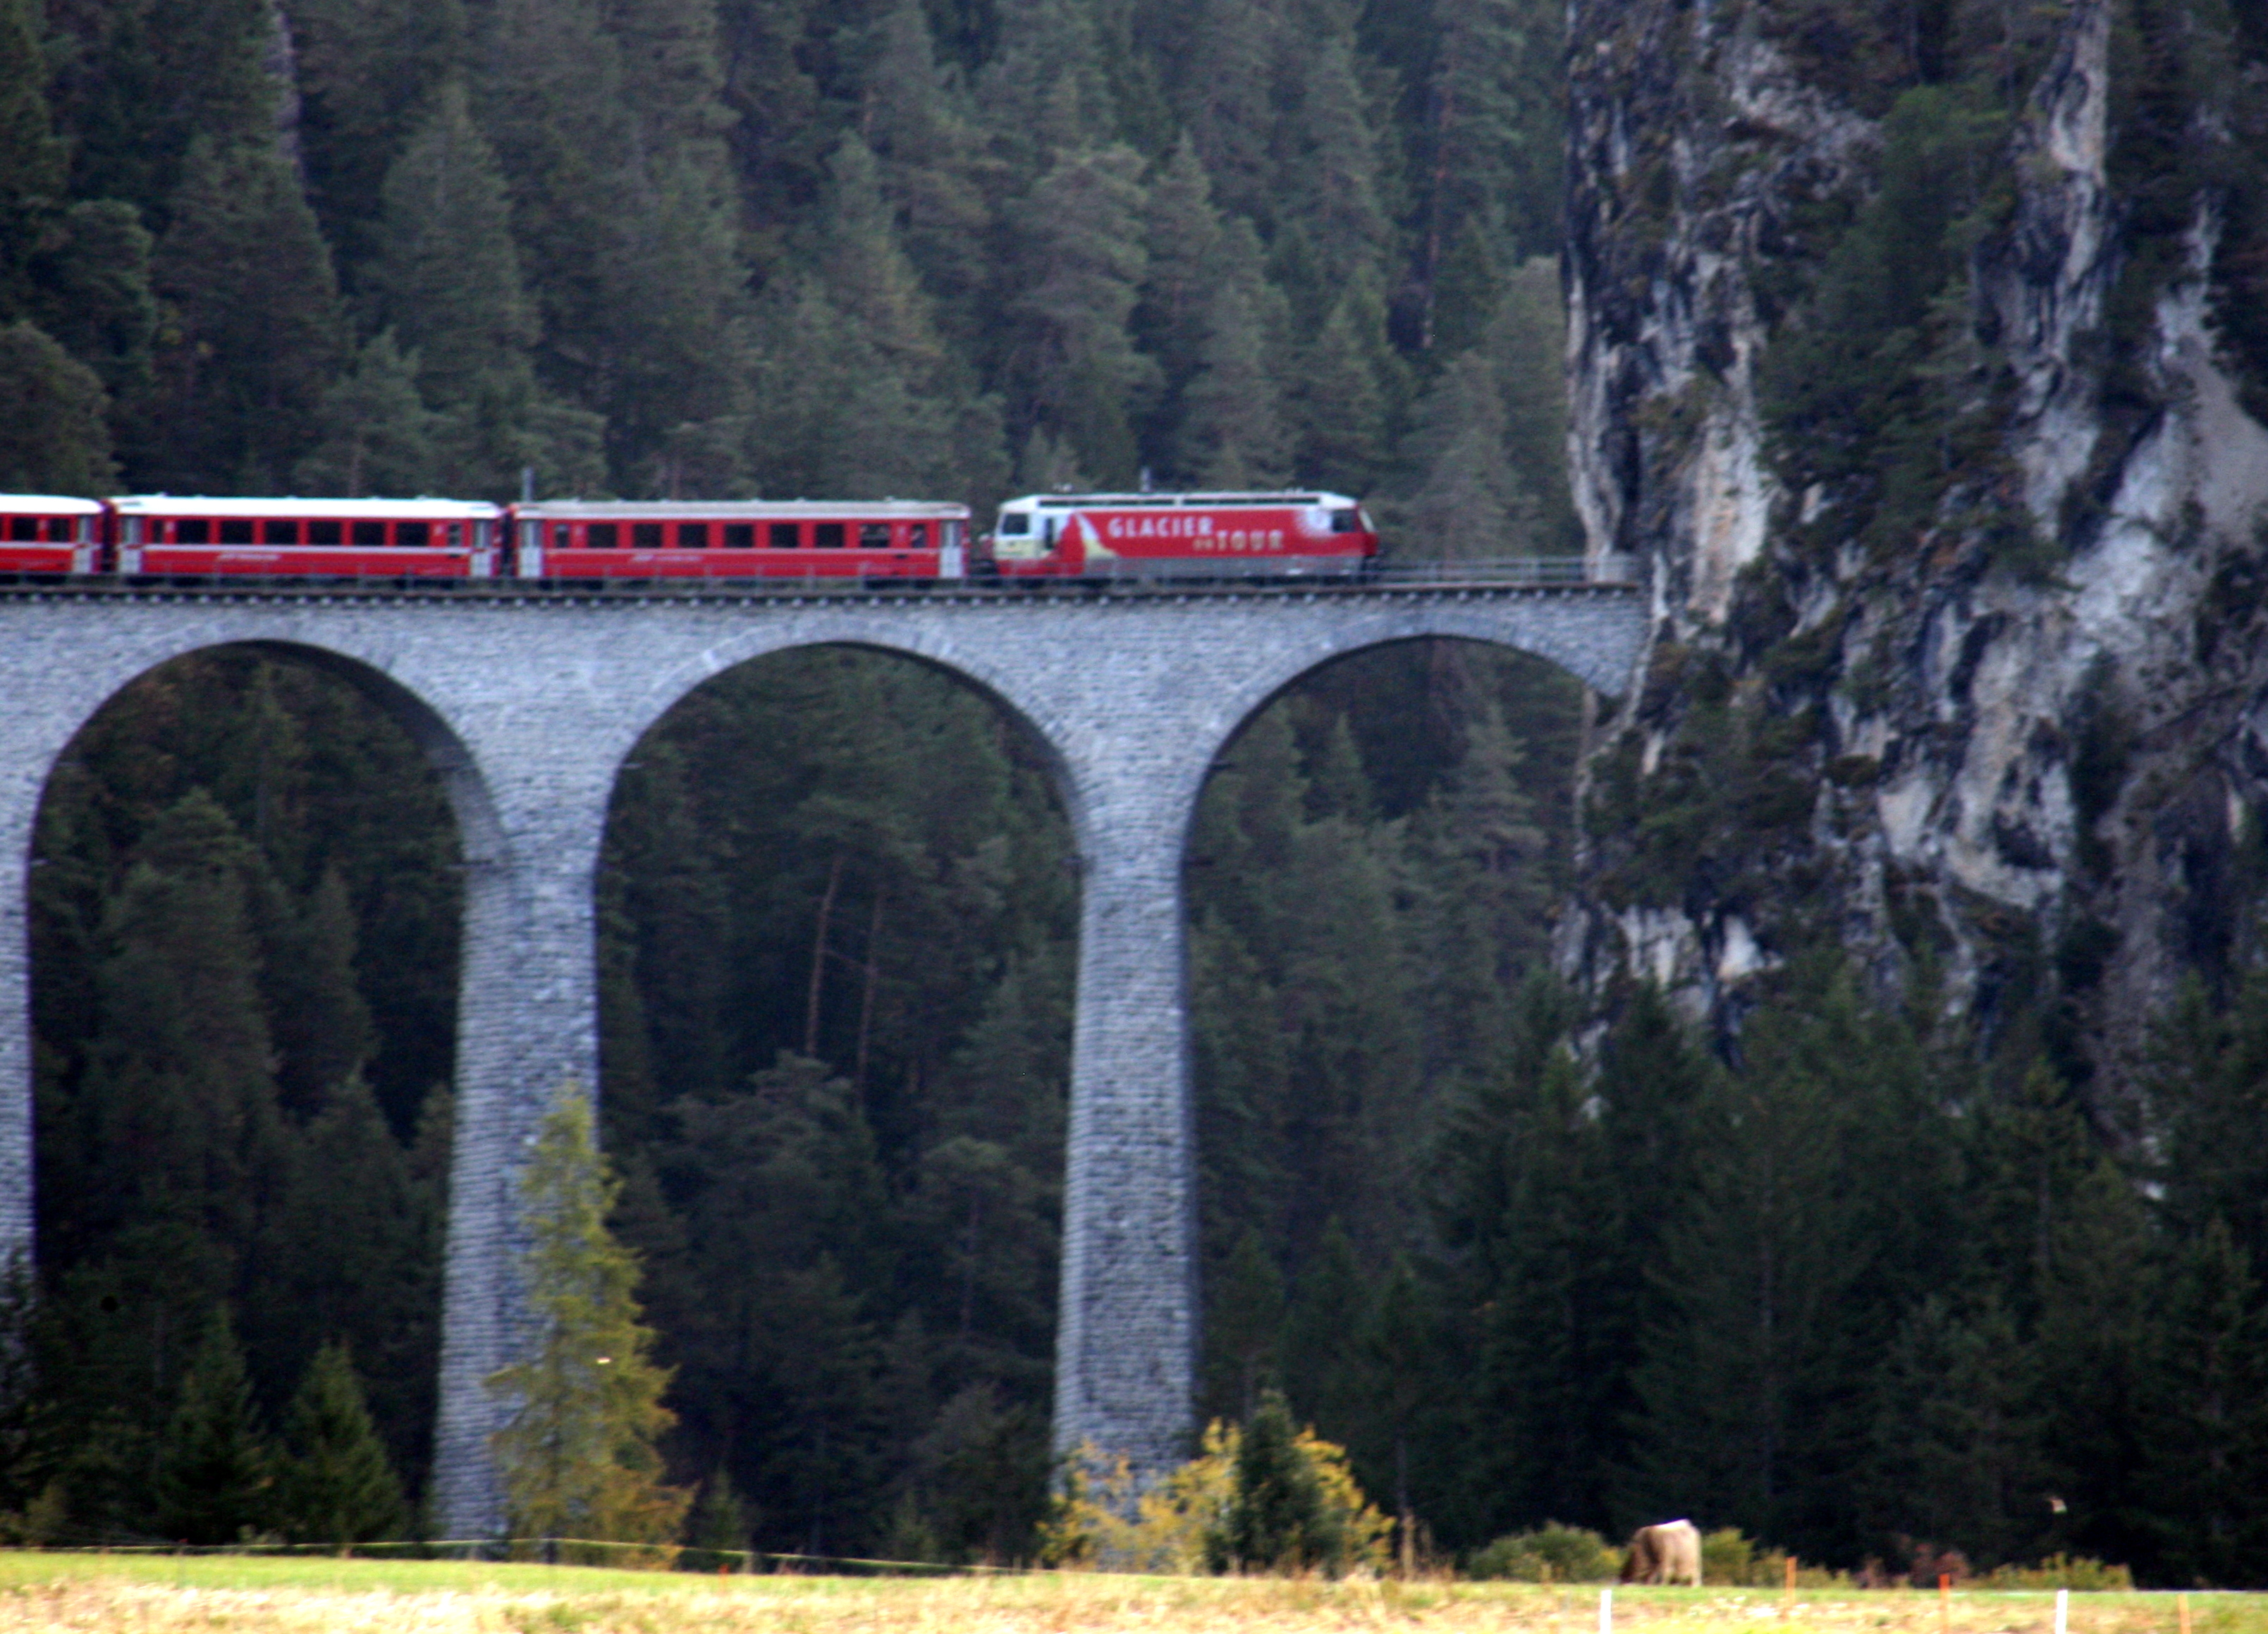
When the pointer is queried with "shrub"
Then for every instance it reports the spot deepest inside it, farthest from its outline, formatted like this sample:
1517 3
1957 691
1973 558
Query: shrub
1552 1554
2062 1572
1188 1522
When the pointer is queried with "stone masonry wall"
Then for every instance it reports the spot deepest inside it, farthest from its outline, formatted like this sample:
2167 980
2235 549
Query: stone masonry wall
529 706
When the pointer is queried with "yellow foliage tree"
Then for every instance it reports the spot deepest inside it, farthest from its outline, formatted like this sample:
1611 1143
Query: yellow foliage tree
1104 1520
578 1457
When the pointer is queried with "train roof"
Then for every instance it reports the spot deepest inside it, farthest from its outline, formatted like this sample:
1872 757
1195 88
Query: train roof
1282 496
412 510
51 505
758 510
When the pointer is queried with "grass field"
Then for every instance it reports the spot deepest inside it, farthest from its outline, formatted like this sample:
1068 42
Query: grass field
158 1594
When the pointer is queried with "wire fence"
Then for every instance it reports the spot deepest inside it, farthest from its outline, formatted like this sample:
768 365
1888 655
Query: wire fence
557 1551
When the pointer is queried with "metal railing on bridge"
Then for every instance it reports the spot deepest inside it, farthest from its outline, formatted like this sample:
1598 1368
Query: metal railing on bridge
1108 577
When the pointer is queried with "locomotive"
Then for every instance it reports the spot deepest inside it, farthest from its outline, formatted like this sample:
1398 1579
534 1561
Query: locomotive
1037 537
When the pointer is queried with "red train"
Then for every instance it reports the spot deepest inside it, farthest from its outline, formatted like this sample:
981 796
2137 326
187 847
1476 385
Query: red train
1039 537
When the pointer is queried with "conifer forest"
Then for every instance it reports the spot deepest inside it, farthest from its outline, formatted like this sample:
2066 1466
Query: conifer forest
1868 1275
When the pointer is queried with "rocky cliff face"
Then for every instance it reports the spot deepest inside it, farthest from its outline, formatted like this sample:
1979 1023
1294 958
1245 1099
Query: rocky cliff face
1910 349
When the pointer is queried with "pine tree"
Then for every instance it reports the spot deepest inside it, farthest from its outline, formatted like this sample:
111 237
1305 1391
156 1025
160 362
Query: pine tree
54 436
91 290
1339 406
448 280
922 123
1243 1331
376 435
258 329
180 1080
338 1486
1230 94
214 1472
34 159
370 71
1233 431
1471 502
578 1457
716 1529
1277 1519
1957 1460
2205 1434
1182 240
1077 371
349 1252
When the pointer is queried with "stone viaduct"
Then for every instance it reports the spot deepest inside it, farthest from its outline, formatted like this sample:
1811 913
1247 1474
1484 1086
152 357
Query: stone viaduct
529 702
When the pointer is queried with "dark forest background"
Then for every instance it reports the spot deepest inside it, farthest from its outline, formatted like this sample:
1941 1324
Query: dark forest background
1843 1280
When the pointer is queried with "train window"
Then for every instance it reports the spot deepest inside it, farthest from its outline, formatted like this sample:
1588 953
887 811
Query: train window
193 530
645 535
827 535
918 536
1343 522
369 534
235 530
599 535
693 535
326 533
413 535
739 535
560 535
22 529
276 531
873 535
784 535
456 535
1016 522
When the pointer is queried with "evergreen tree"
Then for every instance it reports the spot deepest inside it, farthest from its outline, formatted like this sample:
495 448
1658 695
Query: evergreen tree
369 71
1243 1329
1234 432
1278 1517
349 1253
376 433
578 1457
1340 408
181 1083
54 438
1182 245
256 333
1956 1456
922 123
1077 371
91 292
448 280
214 1471
2205 1434
34 159
338 1486
1472 501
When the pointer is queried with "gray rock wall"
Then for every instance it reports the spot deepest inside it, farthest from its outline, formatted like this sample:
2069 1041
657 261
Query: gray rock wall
529 705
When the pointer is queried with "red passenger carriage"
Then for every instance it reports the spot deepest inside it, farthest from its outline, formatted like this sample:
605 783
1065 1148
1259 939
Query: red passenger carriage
309 538
751 539
50 533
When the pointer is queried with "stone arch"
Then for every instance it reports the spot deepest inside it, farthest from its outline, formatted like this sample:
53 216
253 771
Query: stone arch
1602 665
56 703
1007 688
1127 1349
